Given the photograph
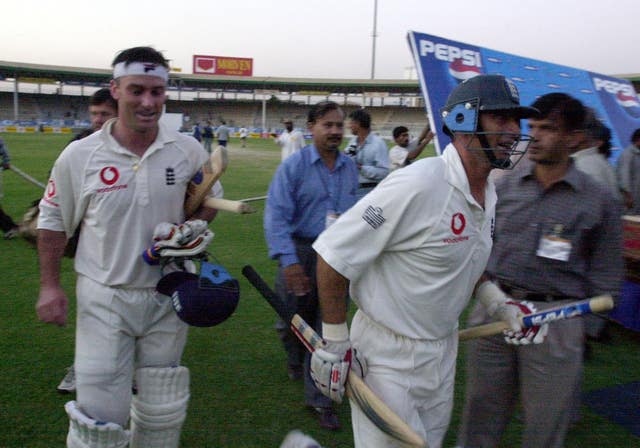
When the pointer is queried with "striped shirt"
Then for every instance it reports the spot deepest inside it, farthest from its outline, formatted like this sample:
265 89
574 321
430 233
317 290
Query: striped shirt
575 211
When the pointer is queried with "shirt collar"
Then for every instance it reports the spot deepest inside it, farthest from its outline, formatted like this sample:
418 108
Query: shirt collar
457 177
315 157
571 177
164 137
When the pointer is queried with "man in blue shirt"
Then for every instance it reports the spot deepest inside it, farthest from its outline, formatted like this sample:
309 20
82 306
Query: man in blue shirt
223 133
307 194
368 150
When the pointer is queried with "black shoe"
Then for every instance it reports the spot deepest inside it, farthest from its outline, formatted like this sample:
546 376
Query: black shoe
327 418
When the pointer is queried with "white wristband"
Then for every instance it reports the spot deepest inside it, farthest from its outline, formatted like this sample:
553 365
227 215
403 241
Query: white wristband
491 296
335 332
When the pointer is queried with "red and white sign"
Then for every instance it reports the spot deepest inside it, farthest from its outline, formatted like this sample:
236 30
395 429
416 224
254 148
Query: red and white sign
221 65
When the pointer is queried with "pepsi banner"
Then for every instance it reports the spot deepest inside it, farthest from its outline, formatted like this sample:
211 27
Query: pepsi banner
442 64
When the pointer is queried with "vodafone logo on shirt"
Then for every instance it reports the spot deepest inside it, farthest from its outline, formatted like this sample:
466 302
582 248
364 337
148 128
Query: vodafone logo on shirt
51 189
109 175
50 192
458 224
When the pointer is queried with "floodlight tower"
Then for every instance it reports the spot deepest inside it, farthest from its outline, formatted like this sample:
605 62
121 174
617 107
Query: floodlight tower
374 35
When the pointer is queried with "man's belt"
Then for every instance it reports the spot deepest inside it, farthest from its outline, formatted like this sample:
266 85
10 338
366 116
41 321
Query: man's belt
518 293
368 185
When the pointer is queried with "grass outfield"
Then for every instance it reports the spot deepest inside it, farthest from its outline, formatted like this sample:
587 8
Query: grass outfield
241 396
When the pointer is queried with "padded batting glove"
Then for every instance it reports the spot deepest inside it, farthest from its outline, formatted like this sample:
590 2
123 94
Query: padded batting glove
330 364
185 240
524 335
504 308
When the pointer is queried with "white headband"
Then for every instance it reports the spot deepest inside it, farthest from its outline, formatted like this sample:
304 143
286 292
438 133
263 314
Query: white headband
140 68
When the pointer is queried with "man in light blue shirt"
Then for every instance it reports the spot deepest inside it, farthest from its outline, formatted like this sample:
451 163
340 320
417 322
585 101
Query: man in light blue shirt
308 193
369 151
223 133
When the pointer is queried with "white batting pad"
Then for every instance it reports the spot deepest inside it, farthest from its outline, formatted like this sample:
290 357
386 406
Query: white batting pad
85 432
160 407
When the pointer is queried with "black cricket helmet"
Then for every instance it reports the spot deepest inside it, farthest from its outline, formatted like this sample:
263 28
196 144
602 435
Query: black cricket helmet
486 93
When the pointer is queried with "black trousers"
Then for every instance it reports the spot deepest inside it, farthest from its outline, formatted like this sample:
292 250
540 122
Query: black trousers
307 307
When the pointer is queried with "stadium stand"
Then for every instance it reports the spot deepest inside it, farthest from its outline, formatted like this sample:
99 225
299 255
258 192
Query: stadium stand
71 111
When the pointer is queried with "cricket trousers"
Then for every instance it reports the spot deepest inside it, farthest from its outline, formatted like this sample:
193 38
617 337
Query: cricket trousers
119 330
414 377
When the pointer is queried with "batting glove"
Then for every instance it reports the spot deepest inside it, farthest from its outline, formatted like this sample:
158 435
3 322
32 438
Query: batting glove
504 308
523 336
185 240
330 364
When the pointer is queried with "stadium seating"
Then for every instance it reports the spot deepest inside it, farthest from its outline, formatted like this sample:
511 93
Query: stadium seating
71 110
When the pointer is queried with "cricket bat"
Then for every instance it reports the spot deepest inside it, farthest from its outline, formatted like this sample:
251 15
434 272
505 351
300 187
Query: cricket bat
566 311
202 182
356 389
227 205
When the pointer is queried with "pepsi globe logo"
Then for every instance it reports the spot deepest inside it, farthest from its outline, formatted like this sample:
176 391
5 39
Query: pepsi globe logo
629 103
109 175
461 72
623 93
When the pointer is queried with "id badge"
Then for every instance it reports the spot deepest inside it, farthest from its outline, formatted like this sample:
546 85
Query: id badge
554 247
331 218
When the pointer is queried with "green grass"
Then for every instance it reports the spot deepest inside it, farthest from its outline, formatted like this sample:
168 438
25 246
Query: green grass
241 396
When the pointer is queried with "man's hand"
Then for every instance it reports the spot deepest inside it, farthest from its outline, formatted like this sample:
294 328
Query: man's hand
330 364
52 306
296 280
510 312
330 368
504 308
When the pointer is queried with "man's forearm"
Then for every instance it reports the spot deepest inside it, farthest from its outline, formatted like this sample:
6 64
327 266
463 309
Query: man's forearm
206 213
332 292
374 173
51 246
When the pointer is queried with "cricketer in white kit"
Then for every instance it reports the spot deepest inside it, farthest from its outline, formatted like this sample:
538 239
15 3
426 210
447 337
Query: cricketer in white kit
413 250
119 183
413 258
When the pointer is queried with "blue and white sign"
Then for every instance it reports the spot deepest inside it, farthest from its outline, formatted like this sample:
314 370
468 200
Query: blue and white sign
442 64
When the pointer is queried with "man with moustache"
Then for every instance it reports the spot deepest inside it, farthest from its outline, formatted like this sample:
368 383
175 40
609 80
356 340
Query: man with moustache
558 239
308 193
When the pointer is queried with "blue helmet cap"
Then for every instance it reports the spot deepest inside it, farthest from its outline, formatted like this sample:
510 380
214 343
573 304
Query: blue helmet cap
197 300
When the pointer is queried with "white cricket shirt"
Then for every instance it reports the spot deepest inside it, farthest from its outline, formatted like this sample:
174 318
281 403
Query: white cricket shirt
119 198
398 154
414 247
290 142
